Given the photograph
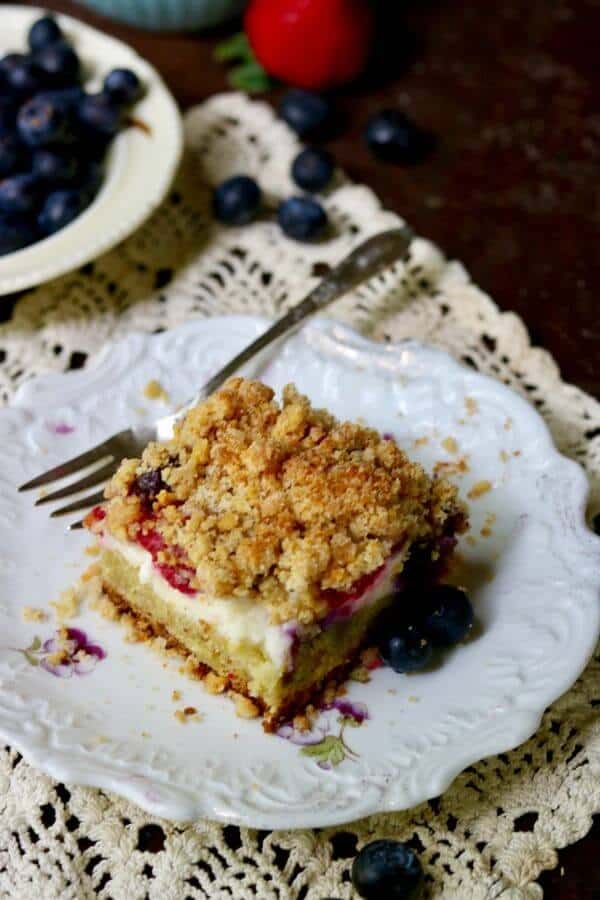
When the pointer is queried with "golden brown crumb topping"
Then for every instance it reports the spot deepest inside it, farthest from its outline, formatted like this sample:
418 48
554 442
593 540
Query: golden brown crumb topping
276 503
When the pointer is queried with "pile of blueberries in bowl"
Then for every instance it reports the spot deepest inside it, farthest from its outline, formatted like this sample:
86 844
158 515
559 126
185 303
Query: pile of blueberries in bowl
53 135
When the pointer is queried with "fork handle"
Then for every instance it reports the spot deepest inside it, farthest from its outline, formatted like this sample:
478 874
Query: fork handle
365 261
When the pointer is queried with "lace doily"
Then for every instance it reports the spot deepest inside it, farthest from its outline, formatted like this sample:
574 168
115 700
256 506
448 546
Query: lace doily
499 825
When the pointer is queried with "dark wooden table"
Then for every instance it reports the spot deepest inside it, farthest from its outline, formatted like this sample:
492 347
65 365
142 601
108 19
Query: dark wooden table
512 90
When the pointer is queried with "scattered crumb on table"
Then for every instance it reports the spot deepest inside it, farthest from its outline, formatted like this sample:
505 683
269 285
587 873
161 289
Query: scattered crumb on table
32 614
479 489
471 405
471 541
508 424
412 699
504 456
92 550
421 441
176 696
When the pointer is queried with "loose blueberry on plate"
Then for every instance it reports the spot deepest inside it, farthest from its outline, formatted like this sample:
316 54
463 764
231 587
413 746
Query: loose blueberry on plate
393 137
99 114
312 169
19 194
59 62
302 218
59 210
11 154
448 617
386 870
54 167
304 111
16 232
237 200
42 122
44 32
405 649
123 86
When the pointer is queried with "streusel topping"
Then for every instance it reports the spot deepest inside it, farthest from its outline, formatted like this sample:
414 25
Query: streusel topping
277 503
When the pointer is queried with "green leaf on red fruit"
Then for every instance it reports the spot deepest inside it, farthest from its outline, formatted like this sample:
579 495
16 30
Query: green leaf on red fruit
248 74
250 77
234 48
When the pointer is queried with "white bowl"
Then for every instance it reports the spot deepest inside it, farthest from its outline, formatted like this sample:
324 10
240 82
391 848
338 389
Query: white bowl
140 166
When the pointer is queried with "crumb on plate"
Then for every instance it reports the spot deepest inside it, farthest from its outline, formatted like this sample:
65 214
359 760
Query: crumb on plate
244 707
155 391
32 614
450 445
479 489
67 605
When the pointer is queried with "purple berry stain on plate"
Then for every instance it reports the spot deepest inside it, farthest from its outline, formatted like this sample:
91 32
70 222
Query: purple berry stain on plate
328 749
60 428
66 654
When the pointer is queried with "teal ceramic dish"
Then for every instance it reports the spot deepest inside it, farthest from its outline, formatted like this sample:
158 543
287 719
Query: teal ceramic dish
169 15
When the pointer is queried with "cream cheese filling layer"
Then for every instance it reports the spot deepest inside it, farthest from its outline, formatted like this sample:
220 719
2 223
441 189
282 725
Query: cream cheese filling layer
237 620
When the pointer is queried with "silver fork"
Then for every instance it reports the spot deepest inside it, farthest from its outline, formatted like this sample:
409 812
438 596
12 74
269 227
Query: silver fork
366 261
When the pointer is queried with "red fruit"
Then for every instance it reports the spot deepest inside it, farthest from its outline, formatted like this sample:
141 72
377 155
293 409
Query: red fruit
313 44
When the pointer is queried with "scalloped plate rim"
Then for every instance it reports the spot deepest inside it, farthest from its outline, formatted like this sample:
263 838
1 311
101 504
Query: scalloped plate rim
519 722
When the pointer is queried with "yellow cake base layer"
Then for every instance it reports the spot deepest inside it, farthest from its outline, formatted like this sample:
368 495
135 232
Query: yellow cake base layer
250 671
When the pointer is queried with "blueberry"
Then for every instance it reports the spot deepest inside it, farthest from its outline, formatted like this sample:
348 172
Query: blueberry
393 137
8 62
19 194
448 615
148 485
305 112
59 62
16 232
8 113
66 98
312 169
42 122
24 76
237 200
99 114
55 167
386 870
11 154
44 32
405 649
59 209
302 218
123 86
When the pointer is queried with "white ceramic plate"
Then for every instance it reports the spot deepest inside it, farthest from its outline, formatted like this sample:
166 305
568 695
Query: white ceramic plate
140 167
534 583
